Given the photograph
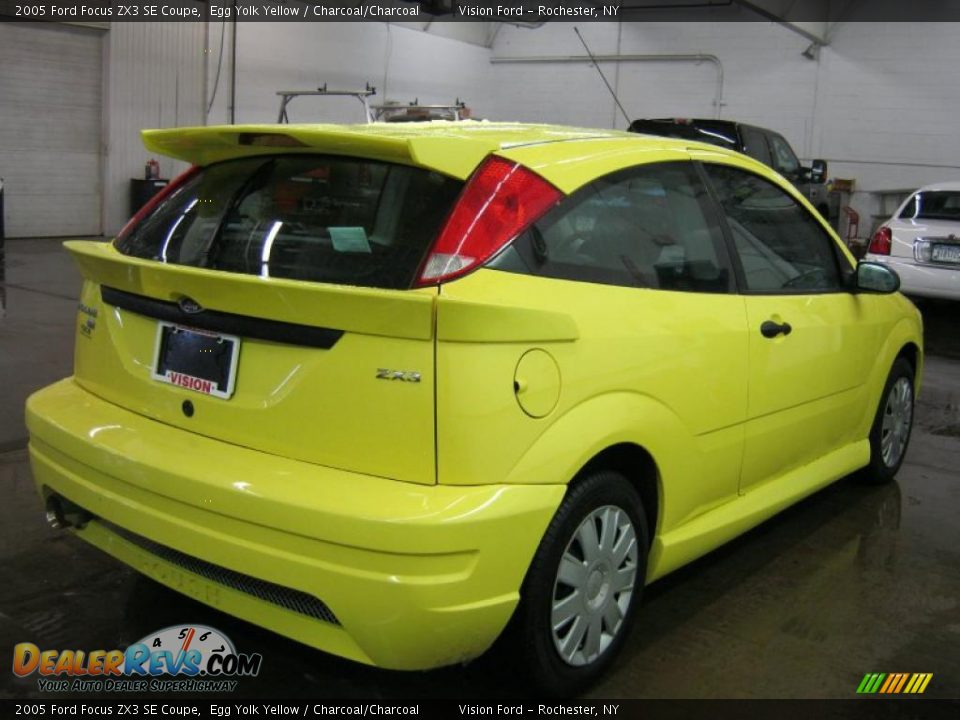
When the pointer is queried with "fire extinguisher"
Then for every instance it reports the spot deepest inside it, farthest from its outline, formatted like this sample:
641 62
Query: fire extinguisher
152 169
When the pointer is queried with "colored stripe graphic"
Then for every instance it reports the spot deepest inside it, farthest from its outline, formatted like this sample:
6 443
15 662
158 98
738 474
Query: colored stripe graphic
875 685
891 680
894 683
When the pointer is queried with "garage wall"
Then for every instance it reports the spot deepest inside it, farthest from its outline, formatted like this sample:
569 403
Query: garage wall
156 80
402 63
889 100
765 77
884 96
881 104
50 116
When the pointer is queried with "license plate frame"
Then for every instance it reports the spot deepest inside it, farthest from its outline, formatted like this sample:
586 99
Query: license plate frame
945 253
178 359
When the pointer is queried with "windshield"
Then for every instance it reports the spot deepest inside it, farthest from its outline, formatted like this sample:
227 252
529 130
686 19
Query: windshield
932 205
326 219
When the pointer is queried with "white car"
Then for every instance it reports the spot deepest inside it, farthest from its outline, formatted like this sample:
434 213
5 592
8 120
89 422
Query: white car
922 242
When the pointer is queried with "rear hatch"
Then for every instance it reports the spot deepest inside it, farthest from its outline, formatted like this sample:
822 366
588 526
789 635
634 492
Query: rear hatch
265 301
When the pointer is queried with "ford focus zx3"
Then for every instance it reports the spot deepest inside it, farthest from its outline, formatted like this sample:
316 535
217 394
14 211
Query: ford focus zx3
393 390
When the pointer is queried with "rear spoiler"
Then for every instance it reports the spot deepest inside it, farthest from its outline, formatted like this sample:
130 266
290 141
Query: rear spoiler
453 156
325 310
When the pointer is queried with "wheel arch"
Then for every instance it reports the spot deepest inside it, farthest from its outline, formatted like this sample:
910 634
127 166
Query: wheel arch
637 465
903 341
642 438
911 353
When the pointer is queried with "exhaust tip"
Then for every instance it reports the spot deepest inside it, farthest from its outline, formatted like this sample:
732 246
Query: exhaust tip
54 514
62 514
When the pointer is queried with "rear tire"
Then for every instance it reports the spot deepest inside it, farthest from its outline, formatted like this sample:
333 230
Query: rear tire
583 586
892 425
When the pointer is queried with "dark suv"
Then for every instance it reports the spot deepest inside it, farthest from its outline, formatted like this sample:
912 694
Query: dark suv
767 146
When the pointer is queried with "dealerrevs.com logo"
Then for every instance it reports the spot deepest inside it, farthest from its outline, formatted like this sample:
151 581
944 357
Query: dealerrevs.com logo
181 658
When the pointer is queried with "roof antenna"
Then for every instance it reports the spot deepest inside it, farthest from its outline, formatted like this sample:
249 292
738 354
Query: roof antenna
602 76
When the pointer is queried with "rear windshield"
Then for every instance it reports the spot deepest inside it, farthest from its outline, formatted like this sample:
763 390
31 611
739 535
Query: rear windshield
714 132
932 205
326 219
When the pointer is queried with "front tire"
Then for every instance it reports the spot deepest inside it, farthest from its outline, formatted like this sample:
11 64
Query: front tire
584 584
892 426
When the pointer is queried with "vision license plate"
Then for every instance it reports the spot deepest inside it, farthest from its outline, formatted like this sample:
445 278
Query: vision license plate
945 253
201 361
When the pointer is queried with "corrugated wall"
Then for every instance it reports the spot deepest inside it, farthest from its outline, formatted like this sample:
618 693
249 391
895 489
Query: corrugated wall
50 117
155 79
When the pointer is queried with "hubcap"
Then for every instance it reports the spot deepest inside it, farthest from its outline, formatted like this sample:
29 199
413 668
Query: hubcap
594 584
897 417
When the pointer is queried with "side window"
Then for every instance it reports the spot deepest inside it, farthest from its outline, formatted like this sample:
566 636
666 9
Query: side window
649 226
755 144
784 159
781 247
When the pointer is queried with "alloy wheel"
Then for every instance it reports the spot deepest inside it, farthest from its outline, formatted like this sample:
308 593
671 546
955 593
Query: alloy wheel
594 583
897 418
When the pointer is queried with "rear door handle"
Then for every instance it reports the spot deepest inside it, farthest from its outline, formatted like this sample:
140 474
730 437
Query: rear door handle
771 329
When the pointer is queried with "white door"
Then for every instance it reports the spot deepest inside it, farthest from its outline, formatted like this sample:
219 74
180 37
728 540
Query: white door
50 104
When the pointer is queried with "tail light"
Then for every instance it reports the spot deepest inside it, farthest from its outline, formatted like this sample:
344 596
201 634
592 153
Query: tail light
881 242
148 207
500 200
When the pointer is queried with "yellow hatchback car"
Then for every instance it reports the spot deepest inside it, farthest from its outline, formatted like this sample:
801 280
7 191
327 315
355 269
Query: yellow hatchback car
385 389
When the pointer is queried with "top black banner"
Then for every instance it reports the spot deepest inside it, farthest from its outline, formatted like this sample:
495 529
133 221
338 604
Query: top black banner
508 11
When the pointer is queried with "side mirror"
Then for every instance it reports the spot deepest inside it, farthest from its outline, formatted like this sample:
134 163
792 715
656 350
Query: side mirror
818 172
876 278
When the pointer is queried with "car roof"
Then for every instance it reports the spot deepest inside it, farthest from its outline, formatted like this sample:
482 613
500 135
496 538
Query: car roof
949 186
453 148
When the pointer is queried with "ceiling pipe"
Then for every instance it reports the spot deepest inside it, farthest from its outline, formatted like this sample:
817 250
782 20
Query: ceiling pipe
686 57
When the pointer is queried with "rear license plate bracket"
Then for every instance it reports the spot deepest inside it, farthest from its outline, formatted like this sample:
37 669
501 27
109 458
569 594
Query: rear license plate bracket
198 360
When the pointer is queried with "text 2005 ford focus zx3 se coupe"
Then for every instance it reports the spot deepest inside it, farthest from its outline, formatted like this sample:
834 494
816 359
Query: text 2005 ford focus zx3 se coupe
385 389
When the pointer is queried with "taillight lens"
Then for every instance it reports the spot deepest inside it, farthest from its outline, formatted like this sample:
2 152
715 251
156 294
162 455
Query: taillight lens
148 207
881 242
500 201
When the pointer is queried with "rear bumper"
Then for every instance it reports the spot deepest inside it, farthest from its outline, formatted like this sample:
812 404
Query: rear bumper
929 281
414 576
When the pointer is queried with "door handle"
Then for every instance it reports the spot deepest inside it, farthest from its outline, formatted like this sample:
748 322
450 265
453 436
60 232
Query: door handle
771 329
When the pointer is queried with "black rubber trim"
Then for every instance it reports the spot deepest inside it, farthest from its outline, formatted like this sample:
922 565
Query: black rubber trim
294 600
224 322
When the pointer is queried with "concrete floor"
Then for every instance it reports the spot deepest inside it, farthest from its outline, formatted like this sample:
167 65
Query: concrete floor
853 580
